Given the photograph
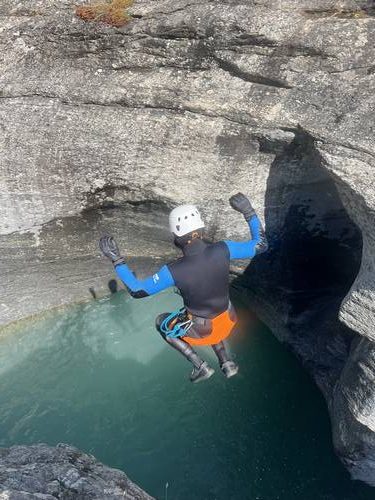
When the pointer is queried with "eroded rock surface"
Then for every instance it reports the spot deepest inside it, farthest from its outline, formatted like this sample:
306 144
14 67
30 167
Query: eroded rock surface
45 473
105 129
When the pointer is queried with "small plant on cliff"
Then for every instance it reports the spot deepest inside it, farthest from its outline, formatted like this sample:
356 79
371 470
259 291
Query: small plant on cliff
112 12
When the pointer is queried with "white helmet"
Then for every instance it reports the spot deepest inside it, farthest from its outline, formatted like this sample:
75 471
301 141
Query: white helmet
185 219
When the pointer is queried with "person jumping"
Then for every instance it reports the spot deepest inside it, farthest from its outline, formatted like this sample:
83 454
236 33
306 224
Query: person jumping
202 278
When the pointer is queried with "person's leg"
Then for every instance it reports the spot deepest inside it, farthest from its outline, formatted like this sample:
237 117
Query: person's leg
228 367
201 369
221 353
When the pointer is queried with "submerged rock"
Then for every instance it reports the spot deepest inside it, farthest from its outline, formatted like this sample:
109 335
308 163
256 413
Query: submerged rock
45 473
105 129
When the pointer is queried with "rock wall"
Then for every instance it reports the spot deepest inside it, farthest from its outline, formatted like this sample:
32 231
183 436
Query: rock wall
105 129
45 473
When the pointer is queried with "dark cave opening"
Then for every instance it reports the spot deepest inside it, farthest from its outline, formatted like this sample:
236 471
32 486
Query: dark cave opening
314 256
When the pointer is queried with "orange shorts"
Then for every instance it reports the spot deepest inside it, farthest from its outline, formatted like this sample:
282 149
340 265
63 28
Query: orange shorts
222 327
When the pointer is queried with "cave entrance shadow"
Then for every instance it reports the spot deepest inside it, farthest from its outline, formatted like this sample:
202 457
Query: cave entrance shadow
313 258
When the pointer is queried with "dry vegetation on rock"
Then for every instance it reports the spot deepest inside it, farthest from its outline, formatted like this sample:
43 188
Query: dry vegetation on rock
112 12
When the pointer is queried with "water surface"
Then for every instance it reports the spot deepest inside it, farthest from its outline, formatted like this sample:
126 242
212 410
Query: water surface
98 376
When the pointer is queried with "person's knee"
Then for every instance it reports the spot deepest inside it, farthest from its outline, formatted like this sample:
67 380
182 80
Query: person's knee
158 322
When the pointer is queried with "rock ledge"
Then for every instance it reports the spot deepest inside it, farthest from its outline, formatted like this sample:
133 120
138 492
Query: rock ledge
46 473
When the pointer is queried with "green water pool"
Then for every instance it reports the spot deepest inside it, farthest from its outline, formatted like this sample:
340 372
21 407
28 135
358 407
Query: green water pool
98 376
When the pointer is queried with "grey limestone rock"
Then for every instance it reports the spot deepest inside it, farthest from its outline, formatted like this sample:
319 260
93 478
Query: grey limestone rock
46 473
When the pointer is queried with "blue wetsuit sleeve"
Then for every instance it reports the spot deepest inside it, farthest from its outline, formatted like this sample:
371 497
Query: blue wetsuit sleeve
248 249
142 288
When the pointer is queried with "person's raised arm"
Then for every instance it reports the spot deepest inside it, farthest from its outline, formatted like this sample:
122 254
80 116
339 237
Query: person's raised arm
257 243
137 288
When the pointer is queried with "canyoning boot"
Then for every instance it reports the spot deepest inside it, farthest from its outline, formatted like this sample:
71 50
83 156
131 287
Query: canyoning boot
204 372
229 368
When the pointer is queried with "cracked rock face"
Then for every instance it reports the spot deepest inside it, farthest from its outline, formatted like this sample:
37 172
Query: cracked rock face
46 473
106 129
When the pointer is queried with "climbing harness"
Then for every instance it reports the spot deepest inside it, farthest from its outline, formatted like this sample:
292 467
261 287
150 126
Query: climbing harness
178 323
172 328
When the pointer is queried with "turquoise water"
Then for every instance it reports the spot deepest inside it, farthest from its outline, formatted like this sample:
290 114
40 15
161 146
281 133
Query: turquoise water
98 376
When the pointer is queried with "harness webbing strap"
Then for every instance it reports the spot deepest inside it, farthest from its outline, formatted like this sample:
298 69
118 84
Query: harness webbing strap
172 328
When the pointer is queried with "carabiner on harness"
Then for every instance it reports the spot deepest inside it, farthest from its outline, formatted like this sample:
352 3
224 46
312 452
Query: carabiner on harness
179 329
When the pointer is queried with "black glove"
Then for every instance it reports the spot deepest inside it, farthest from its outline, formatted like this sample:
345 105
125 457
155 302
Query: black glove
240 203
110 249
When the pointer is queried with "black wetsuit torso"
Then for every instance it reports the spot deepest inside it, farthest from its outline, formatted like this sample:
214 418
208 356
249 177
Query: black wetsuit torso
202 276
